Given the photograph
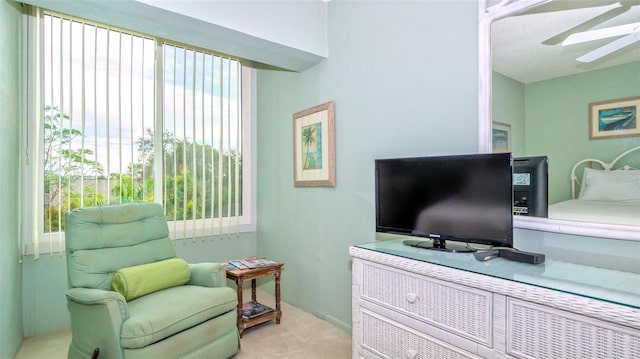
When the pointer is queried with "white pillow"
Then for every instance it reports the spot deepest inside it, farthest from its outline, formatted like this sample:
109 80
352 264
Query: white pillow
612 186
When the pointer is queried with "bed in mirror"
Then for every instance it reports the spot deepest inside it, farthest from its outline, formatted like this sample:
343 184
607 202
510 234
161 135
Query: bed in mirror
544 92
602 192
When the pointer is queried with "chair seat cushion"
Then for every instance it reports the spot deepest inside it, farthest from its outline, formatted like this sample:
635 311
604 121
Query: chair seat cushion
161 314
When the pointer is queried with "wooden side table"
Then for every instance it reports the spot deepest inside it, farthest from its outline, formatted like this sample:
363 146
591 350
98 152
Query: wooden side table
239 276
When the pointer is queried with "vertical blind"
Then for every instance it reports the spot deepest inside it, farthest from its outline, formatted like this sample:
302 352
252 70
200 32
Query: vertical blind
202 138
113 101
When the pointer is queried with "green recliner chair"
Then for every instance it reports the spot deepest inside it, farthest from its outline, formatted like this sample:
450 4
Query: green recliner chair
159 307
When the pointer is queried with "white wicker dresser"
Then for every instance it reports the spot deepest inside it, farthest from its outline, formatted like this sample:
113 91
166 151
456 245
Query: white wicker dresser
416 303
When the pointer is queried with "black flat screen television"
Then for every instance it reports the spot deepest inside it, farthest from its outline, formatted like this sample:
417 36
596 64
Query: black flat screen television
531 186
461 198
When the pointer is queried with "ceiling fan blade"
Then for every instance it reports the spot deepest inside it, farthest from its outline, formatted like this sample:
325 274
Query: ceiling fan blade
611 47
601 33
555 6
585 26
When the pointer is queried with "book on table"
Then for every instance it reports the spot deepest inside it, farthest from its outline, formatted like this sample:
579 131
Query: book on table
254 309
252 262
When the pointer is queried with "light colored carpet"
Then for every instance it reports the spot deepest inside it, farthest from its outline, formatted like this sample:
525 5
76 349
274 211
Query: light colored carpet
299 335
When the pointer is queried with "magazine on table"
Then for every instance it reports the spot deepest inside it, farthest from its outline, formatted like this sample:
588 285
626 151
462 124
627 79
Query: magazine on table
253 309
256 262
236 264
252 262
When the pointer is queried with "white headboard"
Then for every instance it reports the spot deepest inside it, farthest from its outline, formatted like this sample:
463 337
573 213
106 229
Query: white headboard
606 166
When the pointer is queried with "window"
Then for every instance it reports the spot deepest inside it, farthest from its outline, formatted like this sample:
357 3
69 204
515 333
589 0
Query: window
110 103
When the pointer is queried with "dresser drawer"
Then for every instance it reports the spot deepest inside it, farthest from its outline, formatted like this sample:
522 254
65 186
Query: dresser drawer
462 310
535 331
388 339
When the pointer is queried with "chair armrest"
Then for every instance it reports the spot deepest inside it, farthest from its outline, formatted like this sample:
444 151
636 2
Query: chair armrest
208 275
91 296
96 320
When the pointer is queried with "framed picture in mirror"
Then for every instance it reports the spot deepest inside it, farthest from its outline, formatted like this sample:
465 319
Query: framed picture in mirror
614 118
500 137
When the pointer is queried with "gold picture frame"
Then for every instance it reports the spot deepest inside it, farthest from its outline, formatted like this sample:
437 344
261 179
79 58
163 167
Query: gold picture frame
314 160
614 118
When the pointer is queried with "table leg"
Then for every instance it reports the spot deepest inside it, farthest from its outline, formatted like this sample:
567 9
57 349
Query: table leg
253 290
278 310
239 285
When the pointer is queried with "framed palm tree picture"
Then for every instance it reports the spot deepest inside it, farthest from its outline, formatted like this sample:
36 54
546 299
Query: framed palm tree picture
314 160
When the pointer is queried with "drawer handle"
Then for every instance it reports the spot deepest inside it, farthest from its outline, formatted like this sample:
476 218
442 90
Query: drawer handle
411 353
411 297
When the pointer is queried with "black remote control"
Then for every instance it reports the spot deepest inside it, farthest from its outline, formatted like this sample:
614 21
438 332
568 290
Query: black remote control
521 256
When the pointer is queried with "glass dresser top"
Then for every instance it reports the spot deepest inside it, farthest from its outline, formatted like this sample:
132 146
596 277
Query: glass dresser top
598 283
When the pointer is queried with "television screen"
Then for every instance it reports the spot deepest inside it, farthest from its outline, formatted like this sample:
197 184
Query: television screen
530 186
463 198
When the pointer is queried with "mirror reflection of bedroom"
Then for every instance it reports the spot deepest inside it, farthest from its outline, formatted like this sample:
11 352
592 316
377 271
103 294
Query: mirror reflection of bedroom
556 90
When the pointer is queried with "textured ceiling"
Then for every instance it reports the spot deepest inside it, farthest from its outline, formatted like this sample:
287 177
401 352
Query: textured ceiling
528 47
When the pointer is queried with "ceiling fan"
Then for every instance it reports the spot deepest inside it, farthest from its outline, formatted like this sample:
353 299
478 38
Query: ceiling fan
630 34
580 33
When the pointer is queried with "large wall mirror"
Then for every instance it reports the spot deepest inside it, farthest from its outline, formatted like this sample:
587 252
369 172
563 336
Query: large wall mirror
540 91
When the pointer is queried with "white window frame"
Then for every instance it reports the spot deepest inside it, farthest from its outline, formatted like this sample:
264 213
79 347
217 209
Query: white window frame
32 196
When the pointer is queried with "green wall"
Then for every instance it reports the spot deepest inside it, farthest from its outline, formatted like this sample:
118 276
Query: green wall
10 88
404 79
551 118
509 107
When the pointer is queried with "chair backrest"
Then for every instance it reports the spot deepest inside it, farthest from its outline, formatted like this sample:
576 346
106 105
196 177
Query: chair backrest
100 240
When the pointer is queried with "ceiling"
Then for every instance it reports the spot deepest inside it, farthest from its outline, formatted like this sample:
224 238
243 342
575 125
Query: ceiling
528 48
